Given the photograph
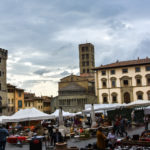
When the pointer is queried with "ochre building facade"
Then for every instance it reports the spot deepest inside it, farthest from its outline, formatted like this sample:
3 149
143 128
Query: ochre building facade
15 99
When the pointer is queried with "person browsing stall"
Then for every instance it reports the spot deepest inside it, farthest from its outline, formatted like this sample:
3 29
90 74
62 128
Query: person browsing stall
101 139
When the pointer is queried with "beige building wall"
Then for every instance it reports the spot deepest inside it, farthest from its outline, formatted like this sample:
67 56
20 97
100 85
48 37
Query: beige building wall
29 104
39 104
11 103
118 75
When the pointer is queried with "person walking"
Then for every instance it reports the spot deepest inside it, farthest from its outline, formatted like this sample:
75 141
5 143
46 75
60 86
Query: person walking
101 139
56 137
112 139
122 127
3 134
146 120
116 127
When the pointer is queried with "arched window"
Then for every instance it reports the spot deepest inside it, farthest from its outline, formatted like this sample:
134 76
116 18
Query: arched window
105 98
114 97
125 81
139 95
148 95
148 79
138 80
113 82
104 83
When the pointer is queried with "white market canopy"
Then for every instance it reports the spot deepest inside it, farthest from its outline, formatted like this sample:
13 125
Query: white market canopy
28 115
102 107
2 118
139 103
78 113
65 114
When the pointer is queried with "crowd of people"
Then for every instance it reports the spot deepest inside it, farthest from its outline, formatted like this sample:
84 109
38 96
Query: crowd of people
119 129
52 133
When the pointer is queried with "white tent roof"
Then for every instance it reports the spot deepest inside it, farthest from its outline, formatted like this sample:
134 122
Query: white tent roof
98 107
65 114
138 103
27 115
3 117
78 113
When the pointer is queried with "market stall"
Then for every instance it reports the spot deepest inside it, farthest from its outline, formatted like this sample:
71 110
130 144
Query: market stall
138 103
102 107
2 119
28 115
64 114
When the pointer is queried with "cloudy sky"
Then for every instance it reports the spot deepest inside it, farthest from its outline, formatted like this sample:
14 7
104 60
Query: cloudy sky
42 37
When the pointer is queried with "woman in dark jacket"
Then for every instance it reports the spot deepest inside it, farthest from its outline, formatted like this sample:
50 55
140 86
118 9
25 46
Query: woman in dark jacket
56 137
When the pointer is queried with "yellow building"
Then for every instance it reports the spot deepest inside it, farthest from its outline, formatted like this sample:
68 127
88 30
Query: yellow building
47 104
123 82
32 101
19 99
38 103
11 98
15 98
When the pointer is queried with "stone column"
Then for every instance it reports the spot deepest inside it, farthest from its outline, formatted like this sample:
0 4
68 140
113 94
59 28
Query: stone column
61 122
93 117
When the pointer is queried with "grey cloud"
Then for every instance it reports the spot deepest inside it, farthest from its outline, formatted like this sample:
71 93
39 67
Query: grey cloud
59 75
143 49
73 67
29 83
65 73
117 25
41 71
34 26
20 68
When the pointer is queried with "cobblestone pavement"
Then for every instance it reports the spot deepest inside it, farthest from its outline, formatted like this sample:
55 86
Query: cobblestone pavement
75 142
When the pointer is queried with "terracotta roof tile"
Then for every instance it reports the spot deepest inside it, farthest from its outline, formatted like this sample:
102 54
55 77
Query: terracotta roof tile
124 64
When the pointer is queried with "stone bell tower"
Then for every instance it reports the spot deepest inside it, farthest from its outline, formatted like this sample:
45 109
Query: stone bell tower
86 58
3 84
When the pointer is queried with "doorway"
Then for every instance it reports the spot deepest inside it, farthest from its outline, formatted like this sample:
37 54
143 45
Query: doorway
127 98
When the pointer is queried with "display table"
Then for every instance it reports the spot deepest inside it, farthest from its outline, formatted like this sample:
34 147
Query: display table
61 146
29 127
14 139
132 143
